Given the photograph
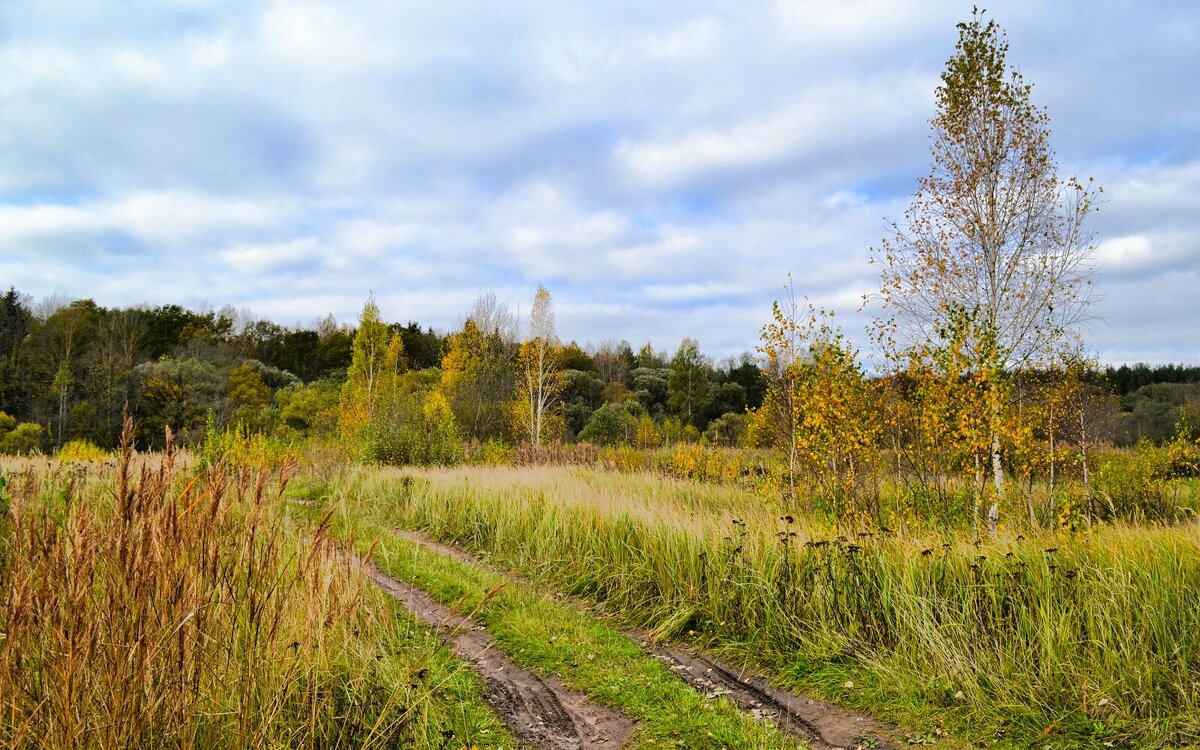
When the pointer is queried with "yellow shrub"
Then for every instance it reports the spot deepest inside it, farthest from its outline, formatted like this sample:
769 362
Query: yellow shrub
81 450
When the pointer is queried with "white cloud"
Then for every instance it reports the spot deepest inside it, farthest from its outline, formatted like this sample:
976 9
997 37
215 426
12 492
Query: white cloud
323 38
1121 253
694 292
169 218
266 258
825 117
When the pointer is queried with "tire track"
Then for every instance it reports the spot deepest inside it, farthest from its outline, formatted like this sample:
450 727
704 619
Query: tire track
541 711
823 725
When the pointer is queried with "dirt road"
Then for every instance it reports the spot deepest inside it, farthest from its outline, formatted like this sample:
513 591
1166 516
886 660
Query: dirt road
540 711
820 724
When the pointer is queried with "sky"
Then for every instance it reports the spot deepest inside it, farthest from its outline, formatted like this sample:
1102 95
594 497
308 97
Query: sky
660 167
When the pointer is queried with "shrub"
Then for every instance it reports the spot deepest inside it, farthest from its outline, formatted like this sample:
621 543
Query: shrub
415 443
727 430
22 440
81 450
613 423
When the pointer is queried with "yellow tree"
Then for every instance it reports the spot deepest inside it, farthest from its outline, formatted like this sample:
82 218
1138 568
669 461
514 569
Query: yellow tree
991 229
778 419
539 373
954 374
1058 415
477 380
818 404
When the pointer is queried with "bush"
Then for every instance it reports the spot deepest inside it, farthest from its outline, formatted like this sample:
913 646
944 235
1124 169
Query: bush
1135 484
413 444
613 423
496 452
81 450
22 440
1183 460
727 431
623 458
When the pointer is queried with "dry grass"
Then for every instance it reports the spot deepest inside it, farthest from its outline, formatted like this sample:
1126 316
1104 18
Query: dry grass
149 605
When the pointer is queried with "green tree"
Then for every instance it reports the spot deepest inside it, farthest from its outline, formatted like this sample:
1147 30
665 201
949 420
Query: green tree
689 387
613 423
19 439
179 394
651 386
16 321
119 335
64 335
309 407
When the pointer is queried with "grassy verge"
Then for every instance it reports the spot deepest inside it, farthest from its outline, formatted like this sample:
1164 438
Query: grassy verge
554 638
1061 640
147 605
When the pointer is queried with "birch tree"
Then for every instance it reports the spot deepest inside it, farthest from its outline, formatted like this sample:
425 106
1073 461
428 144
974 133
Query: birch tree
818 406
539 371
991 231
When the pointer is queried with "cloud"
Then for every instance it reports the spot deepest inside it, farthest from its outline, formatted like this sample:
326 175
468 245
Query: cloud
1122 253
154 218
836 115
257 259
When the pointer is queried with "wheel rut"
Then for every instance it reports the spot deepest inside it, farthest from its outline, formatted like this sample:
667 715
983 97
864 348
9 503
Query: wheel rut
540 711
822 725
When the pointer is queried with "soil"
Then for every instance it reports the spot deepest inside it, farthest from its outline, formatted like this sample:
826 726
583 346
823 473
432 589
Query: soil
542 712
821 724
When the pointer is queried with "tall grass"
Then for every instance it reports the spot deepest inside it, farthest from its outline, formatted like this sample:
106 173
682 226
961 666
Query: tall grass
1092 637
156 607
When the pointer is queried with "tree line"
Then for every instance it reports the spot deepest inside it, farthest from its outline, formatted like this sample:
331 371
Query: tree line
68 370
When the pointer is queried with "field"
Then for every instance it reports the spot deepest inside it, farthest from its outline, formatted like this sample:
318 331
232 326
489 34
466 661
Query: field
227 597
1076 639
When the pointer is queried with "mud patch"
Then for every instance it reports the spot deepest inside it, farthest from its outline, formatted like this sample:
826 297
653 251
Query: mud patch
541 711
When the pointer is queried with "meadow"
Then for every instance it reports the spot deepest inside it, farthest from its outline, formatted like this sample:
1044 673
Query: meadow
223 596
1064 637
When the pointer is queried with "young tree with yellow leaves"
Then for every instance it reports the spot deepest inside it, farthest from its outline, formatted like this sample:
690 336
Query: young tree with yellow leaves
818 405
954 375
477 380
777 421
991 230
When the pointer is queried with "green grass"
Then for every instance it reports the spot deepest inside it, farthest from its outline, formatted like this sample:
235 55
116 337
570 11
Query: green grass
555 638
436 700
1007 643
